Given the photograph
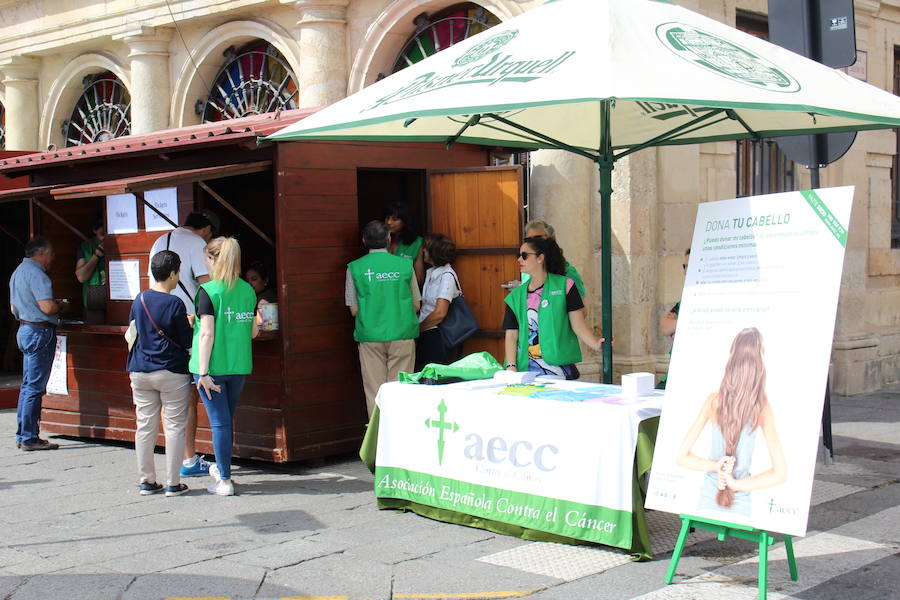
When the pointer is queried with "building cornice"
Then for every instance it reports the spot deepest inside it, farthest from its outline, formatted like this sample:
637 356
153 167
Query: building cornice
87 26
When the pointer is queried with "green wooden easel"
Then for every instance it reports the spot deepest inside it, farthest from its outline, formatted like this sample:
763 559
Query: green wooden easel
724 530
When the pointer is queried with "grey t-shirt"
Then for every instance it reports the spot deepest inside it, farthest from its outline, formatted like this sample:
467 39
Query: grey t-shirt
28 284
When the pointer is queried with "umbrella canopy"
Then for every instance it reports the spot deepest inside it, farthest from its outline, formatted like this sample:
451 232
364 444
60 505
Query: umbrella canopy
603 79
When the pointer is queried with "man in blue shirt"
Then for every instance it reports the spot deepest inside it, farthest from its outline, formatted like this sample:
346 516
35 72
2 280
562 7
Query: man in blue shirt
32 304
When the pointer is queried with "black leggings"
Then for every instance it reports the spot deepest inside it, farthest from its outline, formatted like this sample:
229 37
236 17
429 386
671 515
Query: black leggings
430 349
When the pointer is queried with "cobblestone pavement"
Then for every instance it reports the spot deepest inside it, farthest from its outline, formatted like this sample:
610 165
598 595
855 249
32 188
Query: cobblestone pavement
74 527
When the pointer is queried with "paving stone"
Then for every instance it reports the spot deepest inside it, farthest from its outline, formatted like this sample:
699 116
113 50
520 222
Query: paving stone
331 575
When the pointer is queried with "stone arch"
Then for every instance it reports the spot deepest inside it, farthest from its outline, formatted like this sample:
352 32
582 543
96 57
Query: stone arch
393 27
65 90
192 83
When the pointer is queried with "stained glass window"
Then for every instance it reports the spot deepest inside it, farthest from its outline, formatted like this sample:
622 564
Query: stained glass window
256 79
443 29
103 111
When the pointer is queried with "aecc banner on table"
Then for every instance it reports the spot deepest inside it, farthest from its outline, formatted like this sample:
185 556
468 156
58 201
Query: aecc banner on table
559 467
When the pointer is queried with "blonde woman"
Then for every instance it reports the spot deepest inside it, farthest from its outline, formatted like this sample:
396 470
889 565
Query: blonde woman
737 413
223 357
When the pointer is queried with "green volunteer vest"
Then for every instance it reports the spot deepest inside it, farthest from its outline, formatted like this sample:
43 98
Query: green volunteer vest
573 274
235 309
410 251
385 310
559 344
98 277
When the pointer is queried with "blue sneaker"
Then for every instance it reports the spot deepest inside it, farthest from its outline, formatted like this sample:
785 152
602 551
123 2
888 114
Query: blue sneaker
200 468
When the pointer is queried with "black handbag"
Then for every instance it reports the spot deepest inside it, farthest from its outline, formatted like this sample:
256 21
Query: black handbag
460 323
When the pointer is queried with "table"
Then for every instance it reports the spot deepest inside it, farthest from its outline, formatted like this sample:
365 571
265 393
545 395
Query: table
558 461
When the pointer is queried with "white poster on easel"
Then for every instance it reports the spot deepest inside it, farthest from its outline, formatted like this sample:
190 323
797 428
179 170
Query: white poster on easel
124 279
738 438
166 201
121 213
57 383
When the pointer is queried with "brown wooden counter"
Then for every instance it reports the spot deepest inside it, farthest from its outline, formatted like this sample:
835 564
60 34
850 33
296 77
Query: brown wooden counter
99 403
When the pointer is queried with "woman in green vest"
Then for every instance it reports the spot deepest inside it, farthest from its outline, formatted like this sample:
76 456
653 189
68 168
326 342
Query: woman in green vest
405 240
545 315
222 356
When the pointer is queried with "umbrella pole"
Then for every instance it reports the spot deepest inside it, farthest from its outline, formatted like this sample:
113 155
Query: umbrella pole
606 167
605 161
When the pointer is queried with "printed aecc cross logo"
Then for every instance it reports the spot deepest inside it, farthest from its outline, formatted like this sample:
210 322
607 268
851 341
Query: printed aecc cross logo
441 424
382 276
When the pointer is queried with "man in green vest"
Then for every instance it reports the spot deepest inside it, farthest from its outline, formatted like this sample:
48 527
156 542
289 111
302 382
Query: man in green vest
543 229
383 296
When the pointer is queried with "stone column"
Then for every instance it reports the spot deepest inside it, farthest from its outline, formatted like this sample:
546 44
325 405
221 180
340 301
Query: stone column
150 90
20 79
322 36
563 186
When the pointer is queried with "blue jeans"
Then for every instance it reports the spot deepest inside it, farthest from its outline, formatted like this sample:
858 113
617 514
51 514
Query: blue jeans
220 407
38 345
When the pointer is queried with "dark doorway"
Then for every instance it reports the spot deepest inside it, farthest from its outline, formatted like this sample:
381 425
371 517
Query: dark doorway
376 189
13 235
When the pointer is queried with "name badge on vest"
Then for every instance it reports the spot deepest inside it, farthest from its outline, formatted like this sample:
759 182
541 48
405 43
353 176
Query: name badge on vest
556 293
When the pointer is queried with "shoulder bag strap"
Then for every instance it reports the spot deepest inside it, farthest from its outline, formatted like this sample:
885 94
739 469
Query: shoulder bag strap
458 286
156 327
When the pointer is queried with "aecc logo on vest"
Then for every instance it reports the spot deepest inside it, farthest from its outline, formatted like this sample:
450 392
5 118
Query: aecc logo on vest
382 276
238 316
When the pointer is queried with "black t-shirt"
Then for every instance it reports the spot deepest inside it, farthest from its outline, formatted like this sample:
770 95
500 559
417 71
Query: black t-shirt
573 302
151 351
204 303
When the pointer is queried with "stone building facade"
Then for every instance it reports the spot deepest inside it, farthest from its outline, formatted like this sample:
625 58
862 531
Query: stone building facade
166 54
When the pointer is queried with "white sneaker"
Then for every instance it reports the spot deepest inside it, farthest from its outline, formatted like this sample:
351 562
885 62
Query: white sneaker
214 472
223 487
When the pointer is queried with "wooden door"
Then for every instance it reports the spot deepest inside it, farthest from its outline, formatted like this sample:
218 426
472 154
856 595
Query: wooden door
481 210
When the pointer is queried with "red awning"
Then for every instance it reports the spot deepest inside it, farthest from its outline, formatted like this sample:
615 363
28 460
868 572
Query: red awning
233 131
131 185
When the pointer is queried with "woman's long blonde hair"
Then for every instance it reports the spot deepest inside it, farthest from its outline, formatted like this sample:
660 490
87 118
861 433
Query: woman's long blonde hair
742 395
227 264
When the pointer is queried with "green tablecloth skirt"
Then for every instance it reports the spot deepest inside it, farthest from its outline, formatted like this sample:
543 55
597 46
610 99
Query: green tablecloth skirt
643 459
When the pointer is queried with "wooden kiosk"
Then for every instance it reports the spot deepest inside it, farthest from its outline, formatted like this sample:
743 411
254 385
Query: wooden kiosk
298 206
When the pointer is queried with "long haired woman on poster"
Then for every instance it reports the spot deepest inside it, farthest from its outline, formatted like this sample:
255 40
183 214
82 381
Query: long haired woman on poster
737 413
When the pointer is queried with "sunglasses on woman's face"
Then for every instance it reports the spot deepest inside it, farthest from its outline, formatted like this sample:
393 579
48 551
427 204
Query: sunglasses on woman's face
525 255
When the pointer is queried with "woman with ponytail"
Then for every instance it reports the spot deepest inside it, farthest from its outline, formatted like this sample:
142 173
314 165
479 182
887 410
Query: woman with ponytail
737 413
222 356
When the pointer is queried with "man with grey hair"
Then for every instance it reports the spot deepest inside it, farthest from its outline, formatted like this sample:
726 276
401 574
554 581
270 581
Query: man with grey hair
32 304
383 296
543 229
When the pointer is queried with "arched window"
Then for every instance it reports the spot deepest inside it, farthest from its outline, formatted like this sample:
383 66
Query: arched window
103 111
256 79
443 29
2 127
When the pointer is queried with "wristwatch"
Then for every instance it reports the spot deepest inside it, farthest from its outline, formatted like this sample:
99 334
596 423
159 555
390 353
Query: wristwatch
508 365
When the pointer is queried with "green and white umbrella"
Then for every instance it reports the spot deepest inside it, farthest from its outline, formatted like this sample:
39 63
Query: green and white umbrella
604 79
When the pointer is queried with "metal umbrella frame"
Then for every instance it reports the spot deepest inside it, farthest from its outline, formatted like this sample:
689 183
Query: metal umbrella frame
643 73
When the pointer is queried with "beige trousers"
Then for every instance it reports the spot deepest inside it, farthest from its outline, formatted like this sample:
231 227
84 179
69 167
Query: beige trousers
167 392
381 361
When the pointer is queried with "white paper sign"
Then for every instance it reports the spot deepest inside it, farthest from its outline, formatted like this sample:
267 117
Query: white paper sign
121 213
166 201
57 383
124 279
740 424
